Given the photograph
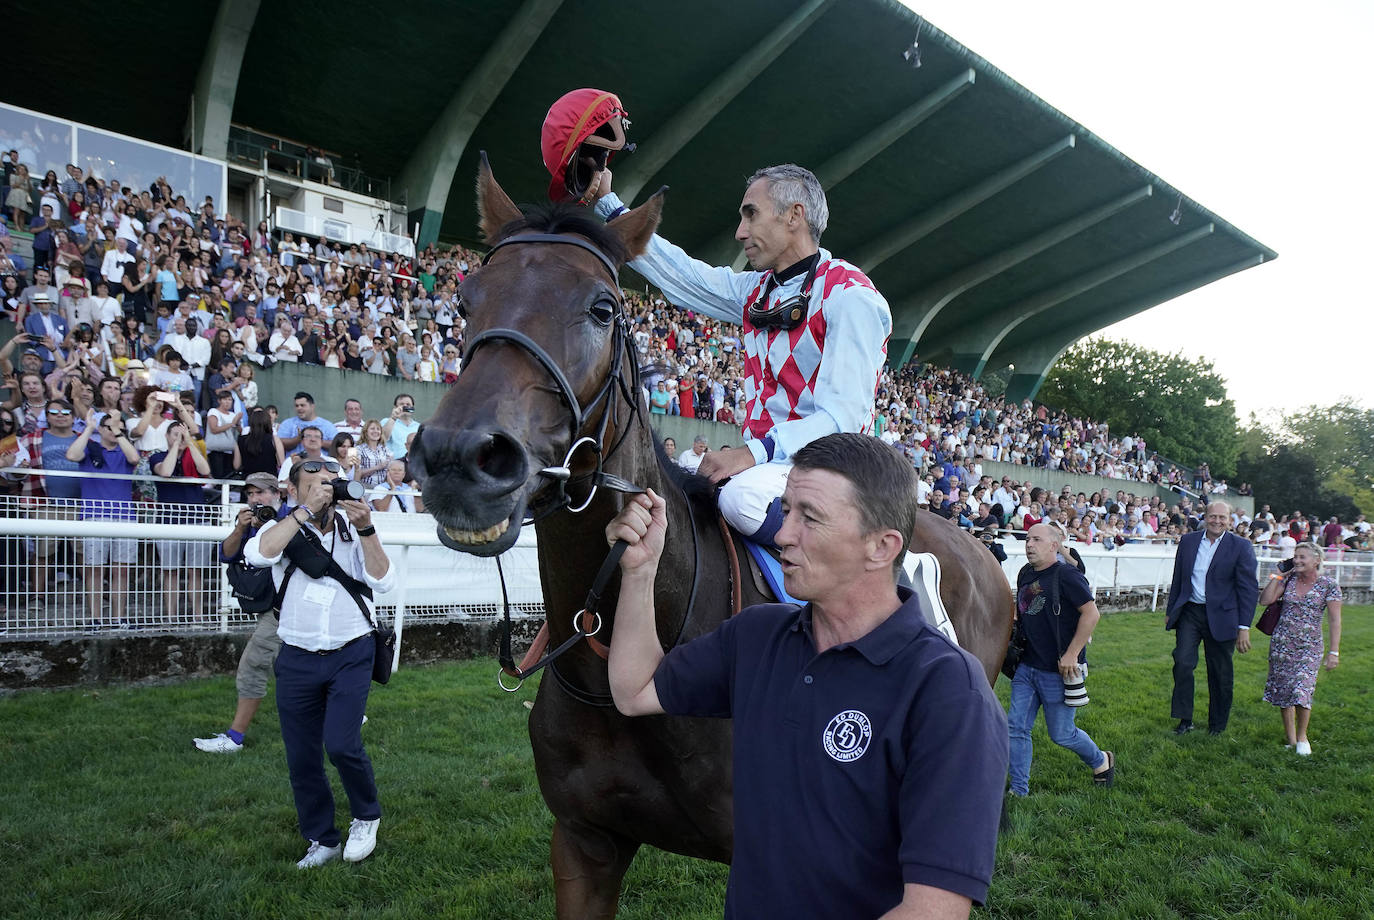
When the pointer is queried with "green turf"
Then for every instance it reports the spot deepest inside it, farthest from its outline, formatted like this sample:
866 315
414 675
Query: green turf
108 811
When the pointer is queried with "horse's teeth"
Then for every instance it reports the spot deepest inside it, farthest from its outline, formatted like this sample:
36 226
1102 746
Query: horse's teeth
473 537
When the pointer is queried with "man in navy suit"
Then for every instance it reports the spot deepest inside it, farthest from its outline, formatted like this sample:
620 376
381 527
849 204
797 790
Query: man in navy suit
1212 601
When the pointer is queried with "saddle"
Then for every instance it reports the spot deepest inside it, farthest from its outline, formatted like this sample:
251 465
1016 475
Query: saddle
920 573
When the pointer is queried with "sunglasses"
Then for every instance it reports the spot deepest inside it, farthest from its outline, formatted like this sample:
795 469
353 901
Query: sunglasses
59 412
314 466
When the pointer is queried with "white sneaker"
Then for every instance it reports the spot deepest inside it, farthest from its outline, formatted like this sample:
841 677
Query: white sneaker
220 744
362 839
318 855
1304 749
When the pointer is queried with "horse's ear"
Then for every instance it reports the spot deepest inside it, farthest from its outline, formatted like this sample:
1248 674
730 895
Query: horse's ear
635 227
494 207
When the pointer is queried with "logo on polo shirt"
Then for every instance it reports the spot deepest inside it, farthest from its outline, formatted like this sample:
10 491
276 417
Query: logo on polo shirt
847 736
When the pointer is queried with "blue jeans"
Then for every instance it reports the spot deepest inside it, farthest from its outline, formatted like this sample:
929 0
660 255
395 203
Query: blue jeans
1031 689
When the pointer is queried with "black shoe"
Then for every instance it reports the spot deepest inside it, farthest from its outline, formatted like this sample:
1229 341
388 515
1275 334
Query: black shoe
1215 731
1183 727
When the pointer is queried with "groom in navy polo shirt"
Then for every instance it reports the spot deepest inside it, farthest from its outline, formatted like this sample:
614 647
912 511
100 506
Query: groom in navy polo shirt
869 750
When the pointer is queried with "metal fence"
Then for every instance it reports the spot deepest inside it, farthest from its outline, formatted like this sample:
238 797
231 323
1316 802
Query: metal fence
70 570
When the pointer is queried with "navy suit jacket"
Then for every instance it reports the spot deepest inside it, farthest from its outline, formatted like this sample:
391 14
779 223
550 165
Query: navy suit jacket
1232 584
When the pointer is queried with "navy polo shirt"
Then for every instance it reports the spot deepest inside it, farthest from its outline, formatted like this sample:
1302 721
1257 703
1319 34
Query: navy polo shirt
876 763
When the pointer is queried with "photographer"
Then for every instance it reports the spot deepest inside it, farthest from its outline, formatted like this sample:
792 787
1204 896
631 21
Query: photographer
400 426
326 567
256 593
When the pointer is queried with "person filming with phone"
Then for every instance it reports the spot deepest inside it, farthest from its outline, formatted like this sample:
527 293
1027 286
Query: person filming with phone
327 561
400 425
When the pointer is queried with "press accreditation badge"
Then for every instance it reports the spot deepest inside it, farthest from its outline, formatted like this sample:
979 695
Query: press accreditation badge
319 595
847 736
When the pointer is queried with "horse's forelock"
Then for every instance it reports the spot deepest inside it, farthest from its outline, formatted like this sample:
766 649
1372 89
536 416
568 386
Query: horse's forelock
566 218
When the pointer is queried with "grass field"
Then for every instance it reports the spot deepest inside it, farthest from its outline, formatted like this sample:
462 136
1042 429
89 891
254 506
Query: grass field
108 811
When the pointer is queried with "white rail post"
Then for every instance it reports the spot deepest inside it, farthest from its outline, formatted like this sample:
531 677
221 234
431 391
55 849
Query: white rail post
399 621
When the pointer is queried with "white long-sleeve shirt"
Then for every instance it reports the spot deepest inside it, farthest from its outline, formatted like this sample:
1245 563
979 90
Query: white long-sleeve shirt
318 614
801 385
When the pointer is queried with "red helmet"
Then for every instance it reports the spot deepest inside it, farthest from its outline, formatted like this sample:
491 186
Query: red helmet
581 132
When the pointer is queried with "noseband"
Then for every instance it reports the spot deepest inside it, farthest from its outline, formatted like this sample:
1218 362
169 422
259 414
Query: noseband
614 383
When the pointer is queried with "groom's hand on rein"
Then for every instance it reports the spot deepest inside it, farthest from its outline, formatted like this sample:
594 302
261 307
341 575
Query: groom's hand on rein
643 524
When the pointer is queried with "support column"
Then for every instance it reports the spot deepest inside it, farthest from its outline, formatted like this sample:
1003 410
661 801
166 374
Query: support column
428 176
918 310
657 150
1032 360
218 79
975 342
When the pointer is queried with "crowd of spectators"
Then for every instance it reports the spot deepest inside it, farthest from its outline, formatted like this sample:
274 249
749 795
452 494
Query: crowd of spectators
139 304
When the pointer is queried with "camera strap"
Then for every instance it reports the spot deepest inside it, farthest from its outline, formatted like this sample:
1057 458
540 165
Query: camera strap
355 588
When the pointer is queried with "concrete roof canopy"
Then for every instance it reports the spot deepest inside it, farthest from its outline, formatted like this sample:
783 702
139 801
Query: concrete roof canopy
999 229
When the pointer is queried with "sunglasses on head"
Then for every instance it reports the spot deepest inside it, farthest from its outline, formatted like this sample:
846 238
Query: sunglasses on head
314 466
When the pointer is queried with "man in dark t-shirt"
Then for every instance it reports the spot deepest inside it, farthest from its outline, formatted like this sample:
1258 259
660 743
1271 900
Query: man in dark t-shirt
1056 613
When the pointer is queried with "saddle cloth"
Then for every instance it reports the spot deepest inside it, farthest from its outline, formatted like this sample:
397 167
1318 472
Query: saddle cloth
920 571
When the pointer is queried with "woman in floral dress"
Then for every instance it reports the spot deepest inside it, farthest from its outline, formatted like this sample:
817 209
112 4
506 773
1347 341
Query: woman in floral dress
1295 649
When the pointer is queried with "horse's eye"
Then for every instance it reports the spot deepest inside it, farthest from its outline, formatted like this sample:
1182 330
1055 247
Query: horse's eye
602 311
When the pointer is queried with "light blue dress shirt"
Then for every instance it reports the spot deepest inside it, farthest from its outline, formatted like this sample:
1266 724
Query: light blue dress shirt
1206 549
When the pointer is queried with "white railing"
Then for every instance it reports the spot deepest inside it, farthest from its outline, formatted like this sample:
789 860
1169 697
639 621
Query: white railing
1146 567
343 231
49 590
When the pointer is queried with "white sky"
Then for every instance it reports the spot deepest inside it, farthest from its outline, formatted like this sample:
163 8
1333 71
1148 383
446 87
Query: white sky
1261 111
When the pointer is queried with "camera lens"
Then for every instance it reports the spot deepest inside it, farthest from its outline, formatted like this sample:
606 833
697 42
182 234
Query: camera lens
347 490
263 513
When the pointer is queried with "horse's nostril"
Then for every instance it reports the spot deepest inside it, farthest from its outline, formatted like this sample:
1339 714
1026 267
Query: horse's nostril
499 457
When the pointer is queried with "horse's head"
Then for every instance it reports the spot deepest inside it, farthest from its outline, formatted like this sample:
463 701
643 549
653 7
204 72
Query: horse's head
547 364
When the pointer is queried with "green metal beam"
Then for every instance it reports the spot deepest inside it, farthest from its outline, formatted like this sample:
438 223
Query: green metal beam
888 244
1032 360
217 83
848 161
973 343
427 177
911 318
656 151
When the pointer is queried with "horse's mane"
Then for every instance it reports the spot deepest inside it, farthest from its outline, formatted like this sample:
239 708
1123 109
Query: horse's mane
566 218
697 489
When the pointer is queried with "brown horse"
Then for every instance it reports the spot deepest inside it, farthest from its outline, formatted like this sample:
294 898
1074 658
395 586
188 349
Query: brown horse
547 420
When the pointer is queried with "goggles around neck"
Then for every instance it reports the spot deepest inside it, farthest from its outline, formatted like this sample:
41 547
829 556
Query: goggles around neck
788 314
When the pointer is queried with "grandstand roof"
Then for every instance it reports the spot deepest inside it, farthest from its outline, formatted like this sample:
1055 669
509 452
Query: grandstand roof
999 229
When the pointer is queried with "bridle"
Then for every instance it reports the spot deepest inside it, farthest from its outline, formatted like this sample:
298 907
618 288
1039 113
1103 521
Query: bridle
616 384
586 622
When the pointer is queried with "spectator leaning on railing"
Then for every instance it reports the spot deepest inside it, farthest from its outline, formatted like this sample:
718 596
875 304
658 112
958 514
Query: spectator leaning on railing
105 499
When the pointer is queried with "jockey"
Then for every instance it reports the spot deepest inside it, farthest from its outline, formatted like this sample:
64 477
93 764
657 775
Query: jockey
815 328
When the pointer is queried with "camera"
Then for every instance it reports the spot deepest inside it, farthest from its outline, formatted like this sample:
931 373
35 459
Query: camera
1075 693
407 409
263 513
347 490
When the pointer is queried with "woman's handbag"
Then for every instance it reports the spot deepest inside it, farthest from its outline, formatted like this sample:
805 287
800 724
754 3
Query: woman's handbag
1270 618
